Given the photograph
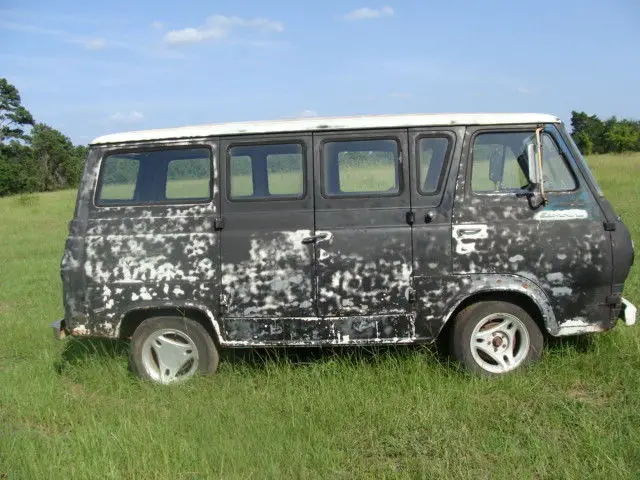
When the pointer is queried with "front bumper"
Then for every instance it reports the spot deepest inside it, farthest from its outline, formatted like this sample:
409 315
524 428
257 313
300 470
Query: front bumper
59 331
628 312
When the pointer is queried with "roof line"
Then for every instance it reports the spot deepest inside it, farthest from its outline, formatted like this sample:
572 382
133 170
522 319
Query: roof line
315 124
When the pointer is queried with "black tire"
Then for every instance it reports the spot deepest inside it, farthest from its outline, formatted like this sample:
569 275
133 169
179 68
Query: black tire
482 312
178 334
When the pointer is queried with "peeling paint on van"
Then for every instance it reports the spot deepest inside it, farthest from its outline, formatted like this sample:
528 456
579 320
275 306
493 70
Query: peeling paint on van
291 284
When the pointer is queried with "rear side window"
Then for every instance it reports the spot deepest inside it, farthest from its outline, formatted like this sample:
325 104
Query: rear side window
270 171
361 167
119 177
188 178
155 176
431 161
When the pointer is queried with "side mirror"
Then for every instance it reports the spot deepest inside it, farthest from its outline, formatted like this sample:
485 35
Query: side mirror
532 165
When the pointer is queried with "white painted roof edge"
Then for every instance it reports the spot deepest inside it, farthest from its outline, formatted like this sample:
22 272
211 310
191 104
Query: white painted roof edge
316 124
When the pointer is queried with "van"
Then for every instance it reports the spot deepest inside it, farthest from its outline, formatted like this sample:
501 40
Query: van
485 230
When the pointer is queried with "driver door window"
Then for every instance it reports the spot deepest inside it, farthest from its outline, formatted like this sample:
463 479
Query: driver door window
496 162
499 163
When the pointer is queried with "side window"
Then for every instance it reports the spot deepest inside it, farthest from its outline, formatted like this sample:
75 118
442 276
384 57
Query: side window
557 175
270 171
155 176
431 161
188 178
361 167
118 178
500 163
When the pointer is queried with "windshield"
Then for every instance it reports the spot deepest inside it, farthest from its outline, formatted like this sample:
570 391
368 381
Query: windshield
578 156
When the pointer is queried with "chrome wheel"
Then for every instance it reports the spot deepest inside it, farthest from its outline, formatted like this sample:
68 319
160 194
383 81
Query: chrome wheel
169 356
500 342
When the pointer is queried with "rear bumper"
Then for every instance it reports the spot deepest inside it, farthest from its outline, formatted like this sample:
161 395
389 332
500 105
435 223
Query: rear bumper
628 312
59 331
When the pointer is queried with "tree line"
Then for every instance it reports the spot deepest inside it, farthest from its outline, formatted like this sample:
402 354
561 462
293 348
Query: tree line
35 157
613 135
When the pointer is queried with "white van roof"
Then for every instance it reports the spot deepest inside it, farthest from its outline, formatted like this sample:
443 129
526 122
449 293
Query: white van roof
315 124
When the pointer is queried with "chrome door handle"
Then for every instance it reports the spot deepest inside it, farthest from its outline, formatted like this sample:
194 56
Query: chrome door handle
315 238
468 231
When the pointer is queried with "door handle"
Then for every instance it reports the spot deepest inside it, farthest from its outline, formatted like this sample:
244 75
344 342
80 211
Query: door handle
315 238
468 231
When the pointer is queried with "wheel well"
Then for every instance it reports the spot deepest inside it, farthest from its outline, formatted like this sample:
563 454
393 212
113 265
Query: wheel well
523 301
134 318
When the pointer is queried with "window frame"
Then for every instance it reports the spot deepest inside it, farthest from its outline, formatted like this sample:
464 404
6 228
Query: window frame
270 198
445 165
153 148
514 129
355 138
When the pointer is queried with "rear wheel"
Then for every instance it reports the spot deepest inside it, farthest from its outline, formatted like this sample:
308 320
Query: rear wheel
172 349
494 337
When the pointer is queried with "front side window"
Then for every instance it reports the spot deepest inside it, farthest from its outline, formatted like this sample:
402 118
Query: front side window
270 171
499 163
556 172
155 176
361 167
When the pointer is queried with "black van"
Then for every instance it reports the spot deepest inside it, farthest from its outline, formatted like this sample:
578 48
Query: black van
487 228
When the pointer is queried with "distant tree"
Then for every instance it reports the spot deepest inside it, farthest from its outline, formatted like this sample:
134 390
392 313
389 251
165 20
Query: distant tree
18 171
14 118
59 161
588 132
622 136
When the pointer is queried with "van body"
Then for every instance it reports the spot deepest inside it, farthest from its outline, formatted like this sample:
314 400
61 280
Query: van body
342 231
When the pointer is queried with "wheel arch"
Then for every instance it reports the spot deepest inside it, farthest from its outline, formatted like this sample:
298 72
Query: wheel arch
134 317
526 295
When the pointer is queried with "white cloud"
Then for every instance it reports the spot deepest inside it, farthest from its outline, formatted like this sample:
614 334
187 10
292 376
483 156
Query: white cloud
523 90
366 13
218 27
308 113
127 117
400 95
93 43
157 25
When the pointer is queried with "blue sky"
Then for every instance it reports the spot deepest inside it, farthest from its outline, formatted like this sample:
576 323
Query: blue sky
90 68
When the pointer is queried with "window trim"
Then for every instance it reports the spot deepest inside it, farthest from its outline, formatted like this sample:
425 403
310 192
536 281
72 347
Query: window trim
272 198
445 165
357 195
512 192
155 148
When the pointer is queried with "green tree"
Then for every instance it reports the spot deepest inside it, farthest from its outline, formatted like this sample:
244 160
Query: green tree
588 131
622 136
59 161
18 172
14 118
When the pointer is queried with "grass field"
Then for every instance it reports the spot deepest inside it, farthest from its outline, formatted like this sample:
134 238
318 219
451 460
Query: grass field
72 410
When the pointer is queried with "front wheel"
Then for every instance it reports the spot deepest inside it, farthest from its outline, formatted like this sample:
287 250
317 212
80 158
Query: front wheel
494 337
172 349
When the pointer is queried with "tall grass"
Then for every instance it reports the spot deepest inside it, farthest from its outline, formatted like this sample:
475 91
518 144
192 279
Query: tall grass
73 410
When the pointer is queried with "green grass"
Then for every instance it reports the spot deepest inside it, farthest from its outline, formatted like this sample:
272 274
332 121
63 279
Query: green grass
72 410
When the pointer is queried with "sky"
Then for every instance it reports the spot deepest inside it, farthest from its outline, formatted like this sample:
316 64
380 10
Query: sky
91 68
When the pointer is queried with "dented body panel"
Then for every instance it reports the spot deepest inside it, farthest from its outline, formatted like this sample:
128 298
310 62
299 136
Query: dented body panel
316 269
